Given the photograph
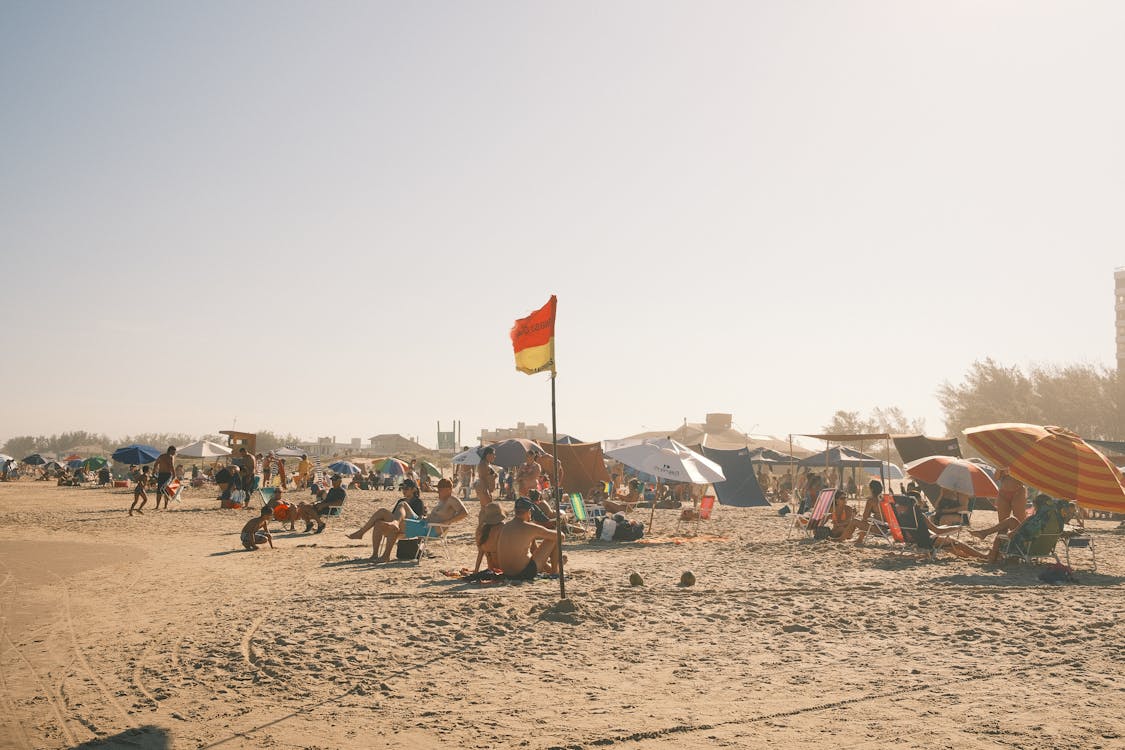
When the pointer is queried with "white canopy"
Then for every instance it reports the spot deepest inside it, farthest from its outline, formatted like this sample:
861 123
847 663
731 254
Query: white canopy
288 452
203 449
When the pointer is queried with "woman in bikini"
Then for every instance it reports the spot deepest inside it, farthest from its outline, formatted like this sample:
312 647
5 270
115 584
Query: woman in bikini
139 492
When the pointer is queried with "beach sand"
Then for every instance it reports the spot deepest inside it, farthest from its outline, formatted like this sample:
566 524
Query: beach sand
157 631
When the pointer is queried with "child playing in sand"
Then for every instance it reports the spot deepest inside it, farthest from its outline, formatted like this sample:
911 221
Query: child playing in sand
139 492
257 530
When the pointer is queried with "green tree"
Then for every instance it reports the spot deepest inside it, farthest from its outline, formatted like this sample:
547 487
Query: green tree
24 445
990 393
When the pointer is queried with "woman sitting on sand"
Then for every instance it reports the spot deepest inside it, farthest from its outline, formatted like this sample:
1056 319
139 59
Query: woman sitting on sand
488 532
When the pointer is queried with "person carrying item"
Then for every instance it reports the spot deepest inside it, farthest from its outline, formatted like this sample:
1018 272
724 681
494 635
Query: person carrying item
524 549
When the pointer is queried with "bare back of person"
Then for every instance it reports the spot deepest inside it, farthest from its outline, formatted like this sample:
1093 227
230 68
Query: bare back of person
524 549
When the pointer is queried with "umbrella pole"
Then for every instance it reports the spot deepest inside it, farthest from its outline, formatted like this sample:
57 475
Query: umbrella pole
558 490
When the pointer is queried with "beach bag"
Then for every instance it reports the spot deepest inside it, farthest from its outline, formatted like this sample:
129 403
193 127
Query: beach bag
407 549
628 531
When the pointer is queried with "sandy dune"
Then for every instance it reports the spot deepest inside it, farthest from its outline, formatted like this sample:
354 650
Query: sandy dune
155 631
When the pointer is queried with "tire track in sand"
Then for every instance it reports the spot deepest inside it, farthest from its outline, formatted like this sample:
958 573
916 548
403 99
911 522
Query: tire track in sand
53 700
10 718
68 620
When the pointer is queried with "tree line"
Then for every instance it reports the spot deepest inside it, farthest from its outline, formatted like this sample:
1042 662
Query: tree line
66 442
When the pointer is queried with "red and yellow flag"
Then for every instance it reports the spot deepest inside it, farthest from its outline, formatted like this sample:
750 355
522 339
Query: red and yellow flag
533 339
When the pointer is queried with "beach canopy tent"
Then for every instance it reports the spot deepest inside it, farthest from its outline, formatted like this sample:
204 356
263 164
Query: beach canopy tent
582 464
770 456
565 440
35 459
740 488
203 449
841 457
289 452
914 447
136 454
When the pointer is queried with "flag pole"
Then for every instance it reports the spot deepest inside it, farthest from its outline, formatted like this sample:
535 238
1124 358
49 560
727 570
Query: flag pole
558 490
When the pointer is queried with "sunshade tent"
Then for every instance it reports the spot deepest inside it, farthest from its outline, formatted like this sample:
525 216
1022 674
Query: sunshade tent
582 465
35 459
288 452
512 452
203 449
913 447
93 463
1053 460
136 454
841 456
345 467
53 465
740 488
954 474
770 456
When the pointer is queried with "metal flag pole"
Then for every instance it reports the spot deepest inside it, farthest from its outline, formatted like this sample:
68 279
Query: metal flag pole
558 490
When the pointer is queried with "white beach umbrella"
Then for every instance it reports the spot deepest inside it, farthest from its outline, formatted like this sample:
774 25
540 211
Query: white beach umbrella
666 459
467 458
288 452
5 457
203 449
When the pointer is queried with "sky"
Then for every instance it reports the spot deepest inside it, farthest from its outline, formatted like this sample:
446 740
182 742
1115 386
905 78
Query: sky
324 218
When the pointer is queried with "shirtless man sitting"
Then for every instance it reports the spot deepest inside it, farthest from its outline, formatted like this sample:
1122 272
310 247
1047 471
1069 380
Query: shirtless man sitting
390 524
525 549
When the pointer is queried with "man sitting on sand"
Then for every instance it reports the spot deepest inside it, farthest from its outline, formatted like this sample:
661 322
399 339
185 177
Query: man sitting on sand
409 515
256 531
524 549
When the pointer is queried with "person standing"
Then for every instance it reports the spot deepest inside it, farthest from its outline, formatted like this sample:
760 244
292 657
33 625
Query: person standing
527 476
267 469
165 469
1011 501
486 477
304 470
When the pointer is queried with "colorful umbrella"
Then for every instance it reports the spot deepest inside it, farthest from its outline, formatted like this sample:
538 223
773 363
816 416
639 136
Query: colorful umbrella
392 467
345 467
94 463
1054 460
136 454
954 474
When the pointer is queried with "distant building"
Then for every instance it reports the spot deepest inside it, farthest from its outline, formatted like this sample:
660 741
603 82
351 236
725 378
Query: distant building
529 431
327 446
1119 278
396 445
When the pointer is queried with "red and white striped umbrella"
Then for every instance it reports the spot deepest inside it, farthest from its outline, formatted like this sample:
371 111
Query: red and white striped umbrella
954 474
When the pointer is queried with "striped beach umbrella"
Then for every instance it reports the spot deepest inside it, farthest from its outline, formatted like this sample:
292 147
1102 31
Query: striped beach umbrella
954 474
1054 460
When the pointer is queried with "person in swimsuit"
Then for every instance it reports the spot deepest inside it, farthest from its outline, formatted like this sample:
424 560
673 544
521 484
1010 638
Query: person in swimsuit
1012 498
870 508
139 492
165 469
625 503
923 532
525 549
843 519
256 531
488 531
486 476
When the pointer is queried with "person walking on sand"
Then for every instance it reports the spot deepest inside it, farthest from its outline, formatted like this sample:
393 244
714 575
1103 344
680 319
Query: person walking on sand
524 549
165 469
486 476
139 492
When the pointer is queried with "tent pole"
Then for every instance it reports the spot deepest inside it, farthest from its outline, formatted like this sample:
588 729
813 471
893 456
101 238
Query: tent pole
558 490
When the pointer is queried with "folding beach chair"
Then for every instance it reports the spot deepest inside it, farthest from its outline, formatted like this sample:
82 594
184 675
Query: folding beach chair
809 522
582 514
173 489
423 531
890 521
1029 548
1074 538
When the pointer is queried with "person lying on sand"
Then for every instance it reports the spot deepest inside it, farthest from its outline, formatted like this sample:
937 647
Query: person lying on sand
524 549
488 531
256 531
920 530
624 503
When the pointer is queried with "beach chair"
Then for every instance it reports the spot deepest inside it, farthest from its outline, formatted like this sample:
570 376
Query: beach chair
914 531
1031 547
1074 538
705 512
889 522
582 514
423 532
809 522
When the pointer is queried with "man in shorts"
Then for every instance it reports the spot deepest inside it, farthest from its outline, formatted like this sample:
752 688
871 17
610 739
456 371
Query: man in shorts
524 549
165 469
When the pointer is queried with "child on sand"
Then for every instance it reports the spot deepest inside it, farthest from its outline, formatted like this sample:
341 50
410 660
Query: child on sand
139 492
257 530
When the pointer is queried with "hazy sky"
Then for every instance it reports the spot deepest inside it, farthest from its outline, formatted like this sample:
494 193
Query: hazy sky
323 218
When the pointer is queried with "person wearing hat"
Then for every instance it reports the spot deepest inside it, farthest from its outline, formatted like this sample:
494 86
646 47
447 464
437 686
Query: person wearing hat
524 548
311 513
488 531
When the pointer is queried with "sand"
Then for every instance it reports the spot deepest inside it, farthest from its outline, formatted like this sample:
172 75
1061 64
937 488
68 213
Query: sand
157 631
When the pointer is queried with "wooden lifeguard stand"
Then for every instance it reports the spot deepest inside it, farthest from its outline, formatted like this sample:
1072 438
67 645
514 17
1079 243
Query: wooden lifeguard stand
236 440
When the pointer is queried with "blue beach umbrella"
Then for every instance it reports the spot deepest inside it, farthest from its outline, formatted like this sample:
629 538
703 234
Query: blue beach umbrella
75 463
136 454
35 460
345 467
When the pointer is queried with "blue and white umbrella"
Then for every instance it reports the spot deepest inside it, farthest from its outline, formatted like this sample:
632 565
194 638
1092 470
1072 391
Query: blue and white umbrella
136 454
345 467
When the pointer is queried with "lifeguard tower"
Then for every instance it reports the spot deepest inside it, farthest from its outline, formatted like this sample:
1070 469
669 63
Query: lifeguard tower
236 440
